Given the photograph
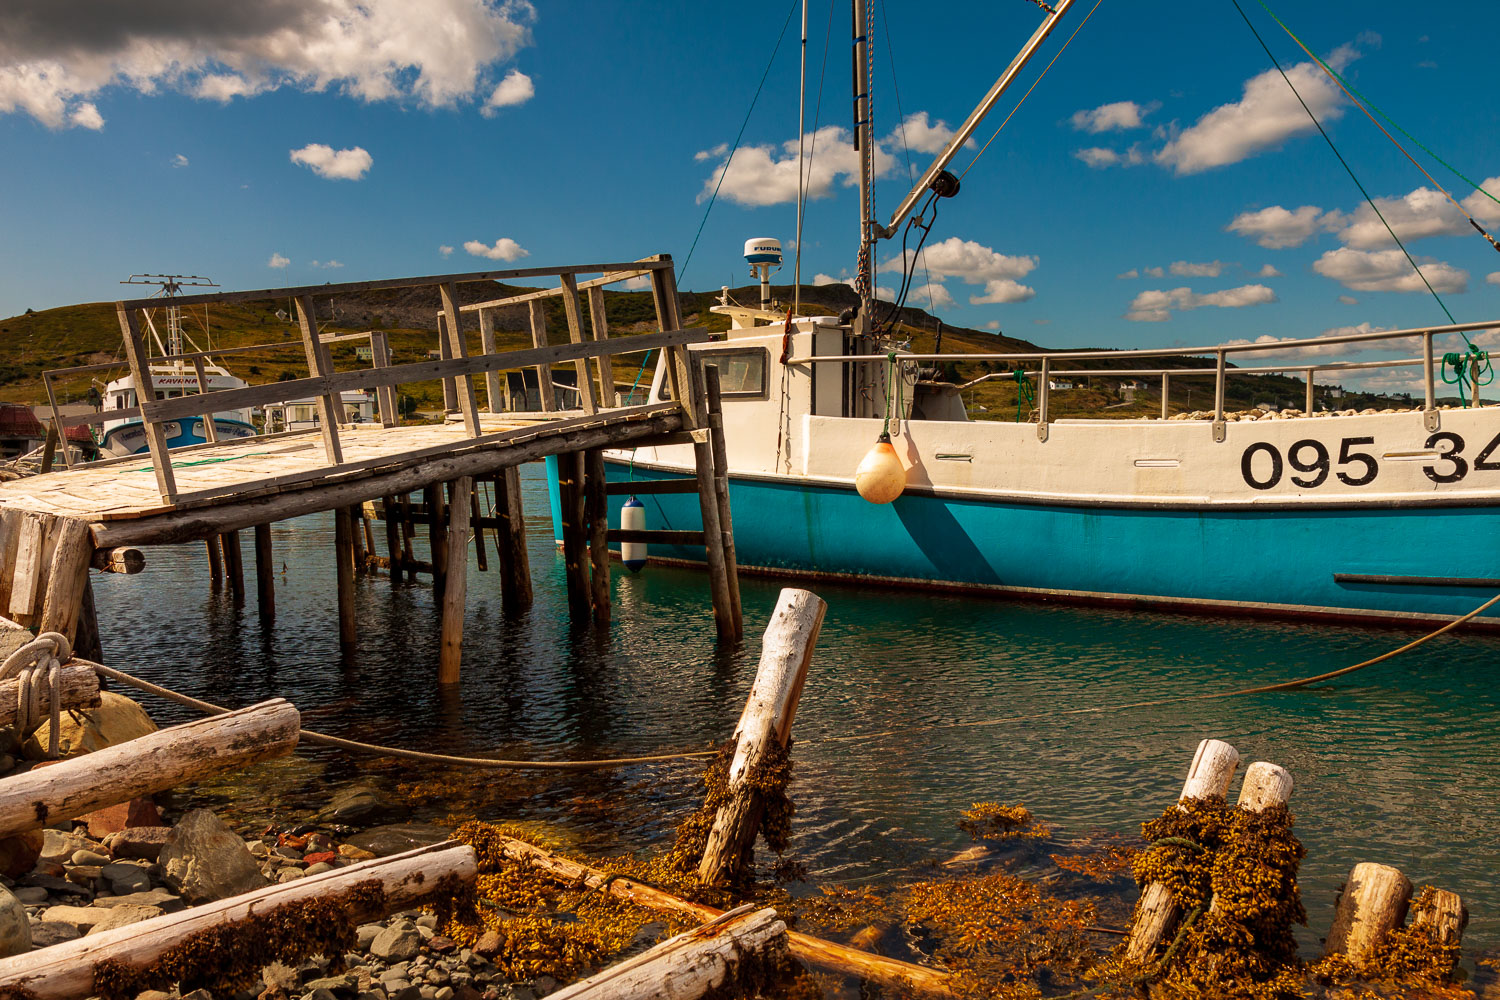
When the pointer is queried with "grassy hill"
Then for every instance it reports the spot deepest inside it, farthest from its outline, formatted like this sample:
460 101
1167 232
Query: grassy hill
89 333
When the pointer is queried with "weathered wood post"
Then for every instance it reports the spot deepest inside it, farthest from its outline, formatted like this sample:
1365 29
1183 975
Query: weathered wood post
265 573
77 687
1373 904
785 654
215 563
343 544
1155 915
692 964
596 504
721 485
234 567
367 534
408 532
392 536
86 644
515 564
67 576
437 536
481 558
356 539
575 566
456 591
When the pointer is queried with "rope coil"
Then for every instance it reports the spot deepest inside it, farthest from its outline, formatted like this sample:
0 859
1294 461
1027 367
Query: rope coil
37 668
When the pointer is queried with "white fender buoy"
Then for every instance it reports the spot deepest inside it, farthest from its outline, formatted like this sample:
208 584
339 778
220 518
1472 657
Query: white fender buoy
633 518
880 477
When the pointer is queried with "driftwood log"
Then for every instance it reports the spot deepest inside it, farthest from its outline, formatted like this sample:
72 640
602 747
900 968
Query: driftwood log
1212 769
691 964
901 976
66 970
147 764
78 687
785 654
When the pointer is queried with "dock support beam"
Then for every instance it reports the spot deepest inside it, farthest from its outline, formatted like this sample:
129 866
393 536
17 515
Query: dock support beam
596 516
515 565
234 568
392 536
721 491
67 575
570 493
265 574
343 544
456 590
215 563
437 536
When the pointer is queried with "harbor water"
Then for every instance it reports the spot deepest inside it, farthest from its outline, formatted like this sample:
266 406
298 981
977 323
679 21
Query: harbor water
917 705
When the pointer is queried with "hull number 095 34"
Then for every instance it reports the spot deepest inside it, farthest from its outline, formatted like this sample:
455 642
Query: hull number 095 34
1311 462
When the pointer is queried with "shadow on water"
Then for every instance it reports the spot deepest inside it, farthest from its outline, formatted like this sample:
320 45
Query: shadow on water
1396 764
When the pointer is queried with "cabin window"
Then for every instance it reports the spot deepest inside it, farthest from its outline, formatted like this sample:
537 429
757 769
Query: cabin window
742 372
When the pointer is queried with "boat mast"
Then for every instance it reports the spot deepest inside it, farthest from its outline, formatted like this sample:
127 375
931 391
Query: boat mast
967 129
864 144
801 170
171 285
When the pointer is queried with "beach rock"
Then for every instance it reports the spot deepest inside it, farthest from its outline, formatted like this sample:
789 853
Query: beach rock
125 878
205 861
31 895
89 858
155 897
279 976
119 916
78 916
116 720
46 934
19 854
355 853
15 926
142 843
360 804
60 846
319 857
383 841
55 885
489 944
113 819
399 942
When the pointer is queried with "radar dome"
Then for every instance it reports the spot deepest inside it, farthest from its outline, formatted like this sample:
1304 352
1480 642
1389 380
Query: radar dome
763 251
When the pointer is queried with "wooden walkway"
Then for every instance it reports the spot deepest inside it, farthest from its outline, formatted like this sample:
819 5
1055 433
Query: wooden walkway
55 526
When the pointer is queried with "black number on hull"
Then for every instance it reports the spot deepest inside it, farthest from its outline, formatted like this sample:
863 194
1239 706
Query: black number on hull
1248 472
1460 466
1482 460
1367 460
1319 464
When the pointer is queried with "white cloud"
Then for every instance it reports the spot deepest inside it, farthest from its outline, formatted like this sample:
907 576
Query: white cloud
179 160
1002 290
1268 271
1266 116
993 324
767 175
516 88
1132 273
436 54
445 250
277 261
505 248
1099 157
86 115
1114 117
1277 228
1157 306
1403 344
1154 272
1417 214
921 135
334 164
966 259
1186 269
828 279
933 295
1348 300
1388 271
327 264
639 283
1493 278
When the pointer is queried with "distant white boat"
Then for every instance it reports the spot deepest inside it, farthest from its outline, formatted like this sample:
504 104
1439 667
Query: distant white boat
356 406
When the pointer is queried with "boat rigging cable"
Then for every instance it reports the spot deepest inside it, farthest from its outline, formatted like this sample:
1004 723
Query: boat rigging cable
728 160
594 765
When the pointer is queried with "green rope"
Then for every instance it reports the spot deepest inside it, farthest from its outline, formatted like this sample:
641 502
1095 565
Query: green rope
1025 392
1470 367
890 370
206 461
644 362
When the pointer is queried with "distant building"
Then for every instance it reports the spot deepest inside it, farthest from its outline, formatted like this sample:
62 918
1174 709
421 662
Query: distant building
20 431
1056 383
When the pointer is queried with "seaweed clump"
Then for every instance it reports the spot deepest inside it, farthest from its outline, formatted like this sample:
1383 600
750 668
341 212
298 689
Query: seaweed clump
231 954
1416 960
992 821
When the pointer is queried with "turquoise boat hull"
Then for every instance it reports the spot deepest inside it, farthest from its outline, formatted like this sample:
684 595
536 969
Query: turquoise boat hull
1444 560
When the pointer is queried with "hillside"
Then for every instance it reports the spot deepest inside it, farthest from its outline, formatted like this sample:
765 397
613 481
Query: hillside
89 333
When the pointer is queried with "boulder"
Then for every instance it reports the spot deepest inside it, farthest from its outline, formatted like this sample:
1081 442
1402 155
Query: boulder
125 878
142 843
60 846
119 916
78 916
204 860
15 927
383 841
19 854
113 819
359 805
399 942
45 934
116 720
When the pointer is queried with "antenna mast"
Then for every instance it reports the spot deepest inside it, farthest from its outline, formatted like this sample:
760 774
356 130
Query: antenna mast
171 285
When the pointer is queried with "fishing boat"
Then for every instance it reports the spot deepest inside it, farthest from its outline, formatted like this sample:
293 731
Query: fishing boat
848 459
172 375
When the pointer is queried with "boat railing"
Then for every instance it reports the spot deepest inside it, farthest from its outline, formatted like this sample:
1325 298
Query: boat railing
1045 362
457 369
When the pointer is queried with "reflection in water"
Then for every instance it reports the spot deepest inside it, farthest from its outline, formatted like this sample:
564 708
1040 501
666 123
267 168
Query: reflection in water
1394 764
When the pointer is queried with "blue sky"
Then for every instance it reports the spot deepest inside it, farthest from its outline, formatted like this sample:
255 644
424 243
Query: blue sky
1157 188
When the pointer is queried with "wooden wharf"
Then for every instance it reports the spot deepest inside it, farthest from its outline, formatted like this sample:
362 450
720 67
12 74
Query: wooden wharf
55 526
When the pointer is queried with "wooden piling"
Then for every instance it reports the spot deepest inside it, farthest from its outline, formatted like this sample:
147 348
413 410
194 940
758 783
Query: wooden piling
343 545
596 517
67 575
265 573
392 537
234 570
481 559
785 654
697 962
1155 915
456 591
367 534
69 969
86 643
437 536
356 538
1373 904
215 562
1444 919
408 531
575 568
721 488
510 542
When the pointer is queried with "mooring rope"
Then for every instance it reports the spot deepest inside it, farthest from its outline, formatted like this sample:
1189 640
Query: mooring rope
339 742
37 666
